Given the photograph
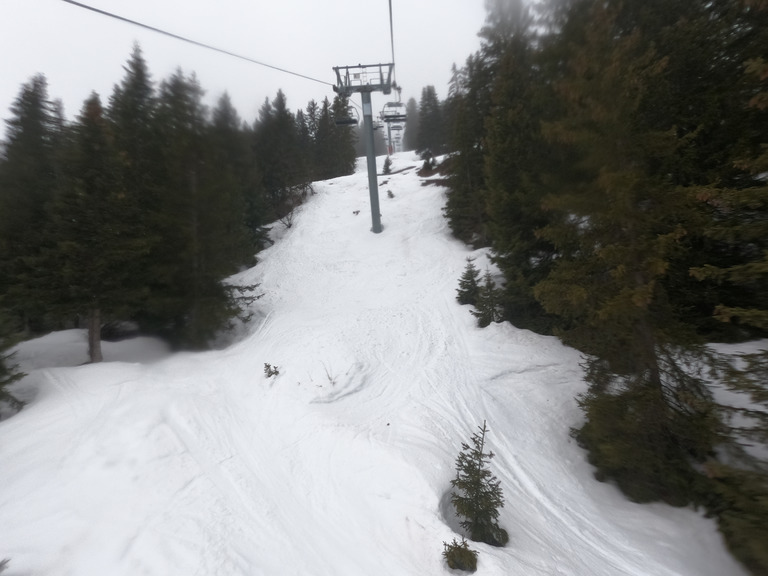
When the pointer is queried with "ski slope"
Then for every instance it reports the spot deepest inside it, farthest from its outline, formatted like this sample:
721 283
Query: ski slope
164 464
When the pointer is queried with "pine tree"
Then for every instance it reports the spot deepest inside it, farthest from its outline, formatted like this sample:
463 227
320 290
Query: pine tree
343 139
93 261
469 290
617 225
411 125
431 134
203 232
469 104
29 179
516 160
477 494
8 373
488 302
277 151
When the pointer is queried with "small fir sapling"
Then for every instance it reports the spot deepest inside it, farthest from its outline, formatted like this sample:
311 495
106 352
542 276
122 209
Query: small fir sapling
468 290
477 495
488 305
459 556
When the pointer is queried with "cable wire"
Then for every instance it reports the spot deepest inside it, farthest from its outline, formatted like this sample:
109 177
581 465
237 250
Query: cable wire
392 40
195 42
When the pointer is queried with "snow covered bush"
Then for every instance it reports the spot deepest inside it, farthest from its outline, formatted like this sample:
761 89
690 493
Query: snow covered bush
270 370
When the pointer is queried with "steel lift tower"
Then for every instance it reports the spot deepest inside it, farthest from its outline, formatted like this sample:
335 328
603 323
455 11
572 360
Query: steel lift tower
367 78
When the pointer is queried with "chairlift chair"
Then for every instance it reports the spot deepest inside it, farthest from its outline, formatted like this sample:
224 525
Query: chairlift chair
351 120
393 112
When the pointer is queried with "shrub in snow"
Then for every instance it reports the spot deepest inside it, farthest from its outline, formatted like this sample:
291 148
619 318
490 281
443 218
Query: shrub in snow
459 556
270 370
387 165
477 494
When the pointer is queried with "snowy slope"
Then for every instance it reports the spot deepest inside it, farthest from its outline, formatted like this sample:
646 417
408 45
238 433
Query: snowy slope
198 464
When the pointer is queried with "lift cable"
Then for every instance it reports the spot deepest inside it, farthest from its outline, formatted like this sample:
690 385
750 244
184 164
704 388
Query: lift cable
392 40
195 42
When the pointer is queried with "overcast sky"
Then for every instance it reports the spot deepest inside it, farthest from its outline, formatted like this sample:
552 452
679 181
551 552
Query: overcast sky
80 51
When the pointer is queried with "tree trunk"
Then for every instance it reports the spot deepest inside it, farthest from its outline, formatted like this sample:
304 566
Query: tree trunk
94 335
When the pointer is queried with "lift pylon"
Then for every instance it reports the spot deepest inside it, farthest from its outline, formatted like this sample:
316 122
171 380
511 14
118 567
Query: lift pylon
367 78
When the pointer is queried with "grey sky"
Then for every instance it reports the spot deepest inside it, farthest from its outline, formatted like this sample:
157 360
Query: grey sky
80 51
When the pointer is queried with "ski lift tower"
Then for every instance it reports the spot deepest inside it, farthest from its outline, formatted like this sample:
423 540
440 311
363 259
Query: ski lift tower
366 78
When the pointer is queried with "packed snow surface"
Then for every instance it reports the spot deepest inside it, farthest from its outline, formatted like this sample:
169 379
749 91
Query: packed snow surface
162 464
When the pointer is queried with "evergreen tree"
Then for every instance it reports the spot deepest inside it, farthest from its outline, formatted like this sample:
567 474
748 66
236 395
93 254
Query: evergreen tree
92 264
477 494
334 144
411 125
469 290
459 556
8 373
469 104
277 151
29 179
236 185
431 132
516 159
343 140
191 304
488 302
616 227
132 111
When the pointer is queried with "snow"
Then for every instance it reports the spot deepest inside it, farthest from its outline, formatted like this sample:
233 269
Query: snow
154 463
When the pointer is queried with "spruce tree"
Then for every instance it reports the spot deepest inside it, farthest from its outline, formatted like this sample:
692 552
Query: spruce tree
465 208
95 252
488 302
468 290
477 494
30 169
431 134
411 124
8 373
617 225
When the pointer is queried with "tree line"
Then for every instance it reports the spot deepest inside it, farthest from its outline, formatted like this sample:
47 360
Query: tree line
141 207
613 154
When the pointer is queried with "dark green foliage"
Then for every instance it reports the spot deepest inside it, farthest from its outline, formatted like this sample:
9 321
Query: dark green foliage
30 176
469 290
740 504
431 131
469 103
612 154
646 444
487 303
92 262
411 124
143 209
8 373
477 494
387 166
459 556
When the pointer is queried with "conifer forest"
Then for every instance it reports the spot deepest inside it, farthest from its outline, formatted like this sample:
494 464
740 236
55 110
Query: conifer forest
611 154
